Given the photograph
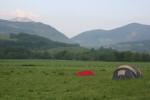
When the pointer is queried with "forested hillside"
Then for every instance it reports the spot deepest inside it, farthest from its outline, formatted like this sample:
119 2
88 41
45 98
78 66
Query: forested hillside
27 41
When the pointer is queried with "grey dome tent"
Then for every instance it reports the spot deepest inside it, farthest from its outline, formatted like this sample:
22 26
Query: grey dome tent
124 72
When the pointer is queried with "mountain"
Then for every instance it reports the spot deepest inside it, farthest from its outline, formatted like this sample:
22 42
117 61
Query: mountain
138 46
91 38
31 27
128 33
23 40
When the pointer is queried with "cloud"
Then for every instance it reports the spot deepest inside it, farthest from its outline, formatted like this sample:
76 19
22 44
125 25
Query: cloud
19 13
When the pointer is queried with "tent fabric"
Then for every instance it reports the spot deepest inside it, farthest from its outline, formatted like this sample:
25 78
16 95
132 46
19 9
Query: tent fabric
128 67
126 72
85 73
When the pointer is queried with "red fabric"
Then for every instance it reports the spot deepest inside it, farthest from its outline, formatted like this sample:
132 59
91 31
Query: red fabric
85 73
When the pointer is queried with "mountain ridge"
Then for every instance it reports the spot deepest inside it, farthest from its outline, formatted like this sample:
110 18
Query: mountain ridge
97 38
37 28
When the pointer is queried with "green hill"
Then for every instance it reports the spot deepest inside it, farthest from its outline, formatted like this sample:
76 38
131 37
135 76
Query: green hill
27 41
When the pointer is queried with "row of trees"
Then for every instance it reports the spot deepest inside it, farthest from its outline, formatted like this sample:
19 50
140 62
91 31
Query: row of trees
101 54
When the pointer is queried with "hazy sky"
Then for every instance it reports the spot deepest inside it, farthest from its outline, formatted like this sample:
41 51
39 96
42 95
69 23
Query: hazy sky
75 16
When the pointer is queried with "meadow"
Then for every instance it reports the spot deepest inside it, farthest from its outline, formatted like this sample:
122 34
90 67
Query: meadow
56 80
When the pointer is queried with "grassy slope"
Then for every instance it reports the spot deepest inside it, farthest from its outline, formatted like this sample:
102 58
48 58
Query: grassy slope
4 36
55 80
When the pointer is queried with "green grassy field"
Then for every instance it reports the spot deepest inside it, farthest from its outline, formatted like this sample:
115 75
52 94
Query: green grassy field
56 80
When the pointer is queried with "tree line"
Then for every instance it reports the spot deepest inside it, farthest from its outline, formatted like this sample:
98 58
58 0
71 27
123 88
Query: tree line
102 54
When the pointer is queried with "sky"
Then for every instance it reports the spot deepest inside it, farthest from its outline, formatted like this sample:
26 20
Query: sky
72 17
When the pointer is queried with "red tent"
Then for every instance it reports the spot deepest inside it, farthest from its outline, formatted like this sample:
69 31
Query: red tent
85 73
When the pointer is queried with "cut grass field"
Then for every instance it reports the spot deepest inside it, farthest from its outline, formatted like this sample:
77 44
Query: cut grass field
56 80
